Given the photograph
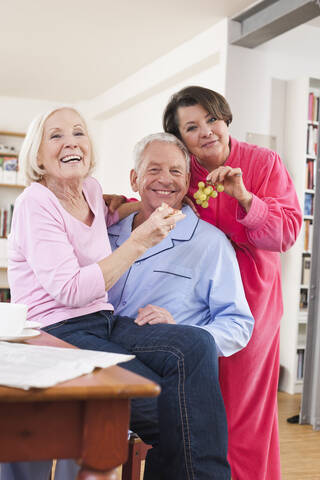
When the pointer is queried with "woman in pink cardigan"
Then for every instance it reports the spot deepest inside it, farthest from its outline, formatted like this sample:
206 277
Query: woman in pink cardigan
260 213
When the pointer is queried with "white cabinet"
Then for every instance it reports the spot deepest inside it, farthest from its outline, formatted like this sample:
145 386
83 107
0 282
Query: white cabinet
301 133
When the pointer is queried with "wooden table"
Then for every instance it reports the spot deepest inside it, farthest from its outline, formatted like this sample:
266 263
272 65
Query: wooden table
86 418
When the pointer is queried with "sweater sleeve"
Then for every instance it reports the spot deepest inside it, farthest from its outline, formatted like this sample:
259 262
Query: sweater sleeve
274 219
40 234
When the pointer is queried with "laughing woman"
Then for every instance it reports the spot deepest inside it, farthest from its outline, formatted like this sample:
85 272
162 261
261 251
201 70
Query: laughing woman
61 266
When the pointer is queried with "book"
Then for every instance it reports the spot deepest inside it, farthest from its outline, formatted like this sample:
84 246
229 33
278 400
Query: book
306 268
310 236
306 225
308 204
315 140
315 109
4 295
303 304
6 220
310 107
310 174
310 141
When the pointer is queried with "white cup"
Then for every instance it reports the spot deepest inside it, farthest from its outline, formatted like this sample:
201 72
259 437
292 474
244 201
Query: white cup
12 318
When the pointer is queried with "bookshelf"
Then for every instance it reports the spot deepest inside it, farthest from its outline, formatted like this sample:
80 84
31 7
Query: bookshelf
11 185
300 147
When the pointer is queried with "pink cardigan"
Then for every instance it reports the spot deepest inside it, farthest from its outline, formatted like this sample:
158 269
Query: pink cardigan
52 257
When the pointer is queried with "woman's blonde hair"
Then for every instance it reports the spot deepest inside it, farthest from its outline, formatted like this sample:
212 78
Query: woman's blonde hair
29 150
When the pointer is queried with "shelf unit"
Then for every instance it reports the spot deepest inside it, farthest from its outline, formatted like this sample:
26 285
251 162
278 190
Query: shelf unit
300 157
11 185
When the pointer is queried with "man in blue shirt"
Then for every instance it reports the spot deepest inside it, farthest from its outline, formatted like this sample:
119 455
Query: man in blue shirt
192 277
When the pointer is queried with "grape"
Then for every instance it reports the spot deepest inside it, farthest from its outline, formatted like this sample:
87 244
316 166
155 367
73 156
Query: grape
206 191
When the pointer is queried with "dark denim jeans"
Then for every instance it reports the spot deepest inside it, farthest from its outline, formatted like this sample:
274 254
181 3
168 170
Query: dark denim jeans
186 424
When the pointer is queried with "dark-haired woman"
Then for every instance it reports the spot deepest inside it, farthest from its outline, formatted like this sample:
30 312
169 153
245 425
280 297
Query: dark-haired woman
260 213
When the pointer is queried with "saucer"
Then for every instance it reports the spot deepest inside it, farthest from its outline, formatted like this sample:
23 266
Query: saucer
32 324
24 335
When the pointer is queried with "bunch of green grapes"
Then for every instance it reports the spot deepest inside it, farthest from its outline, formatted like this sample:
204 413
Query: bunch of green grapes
205 192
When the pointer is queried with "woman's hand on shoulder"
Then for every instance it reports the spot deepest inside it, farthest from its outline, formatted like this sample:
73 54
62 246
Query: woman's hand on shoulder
113 201
153 230
190 204
232 181
153 315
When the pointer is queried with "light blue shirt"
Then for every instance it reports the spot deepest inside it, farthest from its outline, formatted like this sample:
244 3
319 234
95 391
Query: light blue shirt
194 274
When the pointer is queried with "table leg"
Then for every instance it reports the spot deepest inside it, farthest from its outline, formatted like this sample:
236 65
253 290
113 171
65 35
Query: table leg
105 438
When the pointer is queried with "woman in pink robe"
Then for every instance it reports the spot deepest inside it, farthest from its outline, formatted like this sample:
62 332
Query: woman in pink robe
260 213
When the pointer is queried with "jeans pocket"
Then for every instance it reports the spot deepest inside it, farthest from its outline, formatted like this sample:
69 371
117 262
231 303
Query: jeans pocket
49 328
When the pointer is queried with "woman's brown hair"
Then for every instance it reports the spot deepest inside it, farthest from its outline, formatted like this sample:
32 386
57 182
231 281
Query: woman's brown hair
211 101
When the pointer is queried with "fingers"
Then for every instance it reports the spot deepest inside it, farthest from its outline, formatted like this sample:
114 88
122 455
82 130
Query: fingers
113 201
156 227
169 216
107 198
220 174
152 315
144 317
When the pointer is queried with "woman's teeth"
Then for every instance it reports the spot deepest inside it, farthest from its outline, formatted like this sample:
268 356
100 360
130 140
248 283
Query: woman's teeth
71 158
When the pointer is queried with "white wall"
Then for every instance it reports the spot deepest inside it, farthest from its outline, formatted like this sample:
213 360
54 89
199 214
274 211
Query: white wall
256 81
120 133
256 95
134 108
16 113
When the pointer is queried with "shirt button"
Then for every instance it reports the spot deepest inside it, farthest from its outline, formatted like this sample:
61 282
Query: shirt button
138 263
124 303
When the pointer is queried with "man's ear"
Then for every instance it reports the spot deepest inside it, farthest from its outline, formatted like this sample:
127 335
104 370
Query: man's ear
133 180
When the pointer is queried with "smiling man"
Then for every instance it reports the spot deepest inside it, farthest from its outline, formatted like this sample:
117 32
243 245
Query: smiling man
192 277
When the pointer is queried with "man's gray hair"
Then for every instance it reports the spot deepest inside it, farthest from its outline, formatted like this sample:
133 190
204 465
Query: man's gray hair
159 137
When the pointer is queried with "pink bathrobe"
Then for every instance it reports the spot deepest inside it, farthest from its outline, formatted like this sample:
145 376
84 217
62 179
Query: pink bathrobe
249 379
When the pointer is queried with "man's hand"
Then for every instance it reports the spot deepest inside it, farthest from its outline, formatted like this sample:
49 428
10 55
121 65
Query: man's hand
161 221
153 315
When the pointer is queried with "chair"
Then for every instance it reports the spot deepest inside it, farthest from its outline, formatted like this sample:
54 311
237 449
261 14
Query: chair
131 470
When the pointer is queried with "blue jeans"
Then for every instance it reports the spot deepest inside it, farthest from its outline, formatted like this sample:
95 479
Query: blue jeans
186 425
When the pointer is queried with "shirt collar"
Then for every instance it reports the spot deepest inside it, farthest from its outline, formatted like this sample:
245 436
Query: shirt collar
183 231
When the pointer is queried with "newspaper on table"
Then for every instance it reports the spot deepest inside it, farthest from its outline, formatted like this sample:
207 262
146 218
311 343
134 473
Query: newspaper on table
32 366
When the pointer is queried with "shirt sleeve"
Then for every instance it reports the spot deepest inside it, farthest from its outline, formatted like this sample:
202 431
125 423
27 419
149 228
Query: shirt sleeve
274 219
231 322
40 234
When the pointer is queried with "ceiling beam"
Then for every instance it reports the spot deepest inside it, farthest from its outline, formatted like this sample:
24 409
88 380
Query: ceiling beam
270 18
